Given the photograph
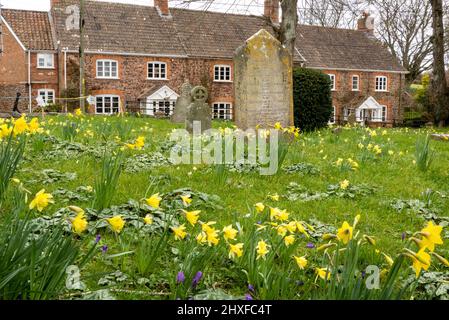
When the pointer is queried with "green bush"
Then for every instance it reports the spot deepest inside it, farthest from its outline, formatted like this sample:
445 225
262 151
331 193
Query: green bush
312 99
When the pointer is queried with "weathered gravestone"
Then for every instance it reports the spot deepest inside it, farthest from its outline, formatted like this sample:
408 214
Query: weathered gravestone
263 83
198 110
182 103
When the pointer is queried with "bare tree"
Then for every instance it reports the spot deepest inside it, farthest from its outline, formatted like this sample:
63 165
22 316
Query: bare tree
405 27
439 83
289 21
331 13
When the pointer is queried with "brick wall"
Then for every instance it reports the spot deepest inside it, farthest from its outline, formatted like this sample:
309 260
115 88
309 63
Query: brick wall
133 84
344 97
13 73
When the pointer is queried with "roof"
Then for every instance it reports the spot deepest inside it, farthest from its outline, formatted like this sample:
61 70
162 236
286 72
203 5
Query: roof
132 29
332 48
33 28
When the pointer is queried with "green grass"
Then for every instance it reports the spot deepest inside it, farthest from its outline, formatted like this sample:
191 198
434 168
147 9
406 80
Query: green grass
393 176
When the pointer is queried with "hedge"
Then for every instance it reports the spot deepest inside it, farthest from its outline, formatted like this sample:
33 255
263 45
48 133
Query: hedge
312 99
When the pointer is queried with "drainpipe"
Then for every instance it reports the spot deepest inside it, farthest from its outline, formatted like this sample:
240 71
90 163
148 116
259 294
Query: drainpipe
29 83
65 78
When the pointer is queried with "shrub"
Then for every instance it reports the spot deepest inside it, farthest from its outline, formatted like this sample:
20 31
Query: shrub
11 152
312 99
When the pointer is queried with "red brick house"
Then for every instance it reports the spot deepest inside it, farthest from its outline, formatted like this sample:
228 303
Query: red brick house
139 56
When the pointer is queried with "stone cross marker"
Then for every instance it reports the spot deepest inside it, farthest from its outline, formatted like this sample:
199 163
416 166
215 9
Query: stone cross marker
263 83
199 110
182 103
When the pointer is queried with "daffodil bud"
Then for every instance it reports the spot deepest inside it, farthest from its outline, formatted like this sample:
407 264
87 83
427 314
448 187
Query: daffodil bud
440 258
326 246
75 209
328 236
370 240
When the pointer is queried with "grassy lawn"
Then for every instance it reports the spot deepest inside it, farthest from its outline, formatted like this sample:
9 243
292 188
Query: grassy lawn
392 196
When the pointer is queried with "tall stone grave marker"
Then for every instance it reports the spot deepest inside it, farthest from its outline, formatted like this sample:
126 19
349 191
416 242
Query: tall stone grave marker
182 103
263 83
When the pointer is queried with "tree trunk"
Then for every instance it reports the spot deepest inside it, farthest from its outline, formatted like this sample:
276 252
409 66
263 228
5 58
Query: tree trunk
289 22
81 53
439 83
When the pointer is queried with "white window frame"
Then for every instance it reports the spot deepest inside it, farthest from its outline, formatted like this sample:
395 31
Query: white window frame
49 60
333 78
381 84
44 94
103 70
222 106
103 96
358 82
218 75
333 118
384 113
159 69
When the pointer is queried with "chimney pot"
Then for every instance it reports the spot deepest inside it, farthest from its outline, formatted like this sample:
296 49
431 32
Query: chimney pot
366 23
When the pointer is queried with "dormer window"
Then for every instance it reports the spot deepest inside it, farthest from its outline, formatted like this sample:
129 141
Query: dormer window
107 69
222 73
45 61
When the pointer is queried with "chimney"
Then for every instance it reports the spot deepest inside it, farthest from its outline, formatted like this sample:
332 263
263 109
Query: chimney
162 6
366 23
271 10
54 3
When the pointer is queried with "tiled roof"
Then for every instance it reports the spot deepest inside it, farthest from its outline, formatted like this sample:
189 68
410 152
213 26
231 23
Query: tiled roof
33 28
127 28
331 48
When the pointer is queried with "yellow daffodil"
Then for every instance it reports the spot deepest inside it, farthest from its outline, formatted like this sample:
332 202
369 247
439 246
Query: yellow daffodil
20 126
154 201
291 226
139 143
388 259
192 216
33 126
117 223
78 112
289 240
235 250
281 230
262 249
148 219
186 200
344 184
79 223
41 200
179 232
201 237
344 234
274 197
323 273
229 233
441 259
301 262
260 207
212 237
421 261
206 227
431 236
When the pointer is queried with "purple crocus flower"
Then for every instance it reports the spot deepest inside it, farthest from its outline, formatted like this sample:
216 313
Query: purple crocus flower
310 245
251 288
180 278
403 236
104 248
197 279
248 297
97 238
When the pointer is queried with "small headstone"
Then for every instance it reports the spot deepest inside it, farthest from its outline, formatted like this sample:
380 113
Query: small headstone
182 103
440 137
198 110
337 131
263 83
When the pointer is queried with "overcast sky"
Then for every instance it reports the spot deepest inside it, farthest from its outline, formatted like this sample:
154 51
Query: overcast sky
234 6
